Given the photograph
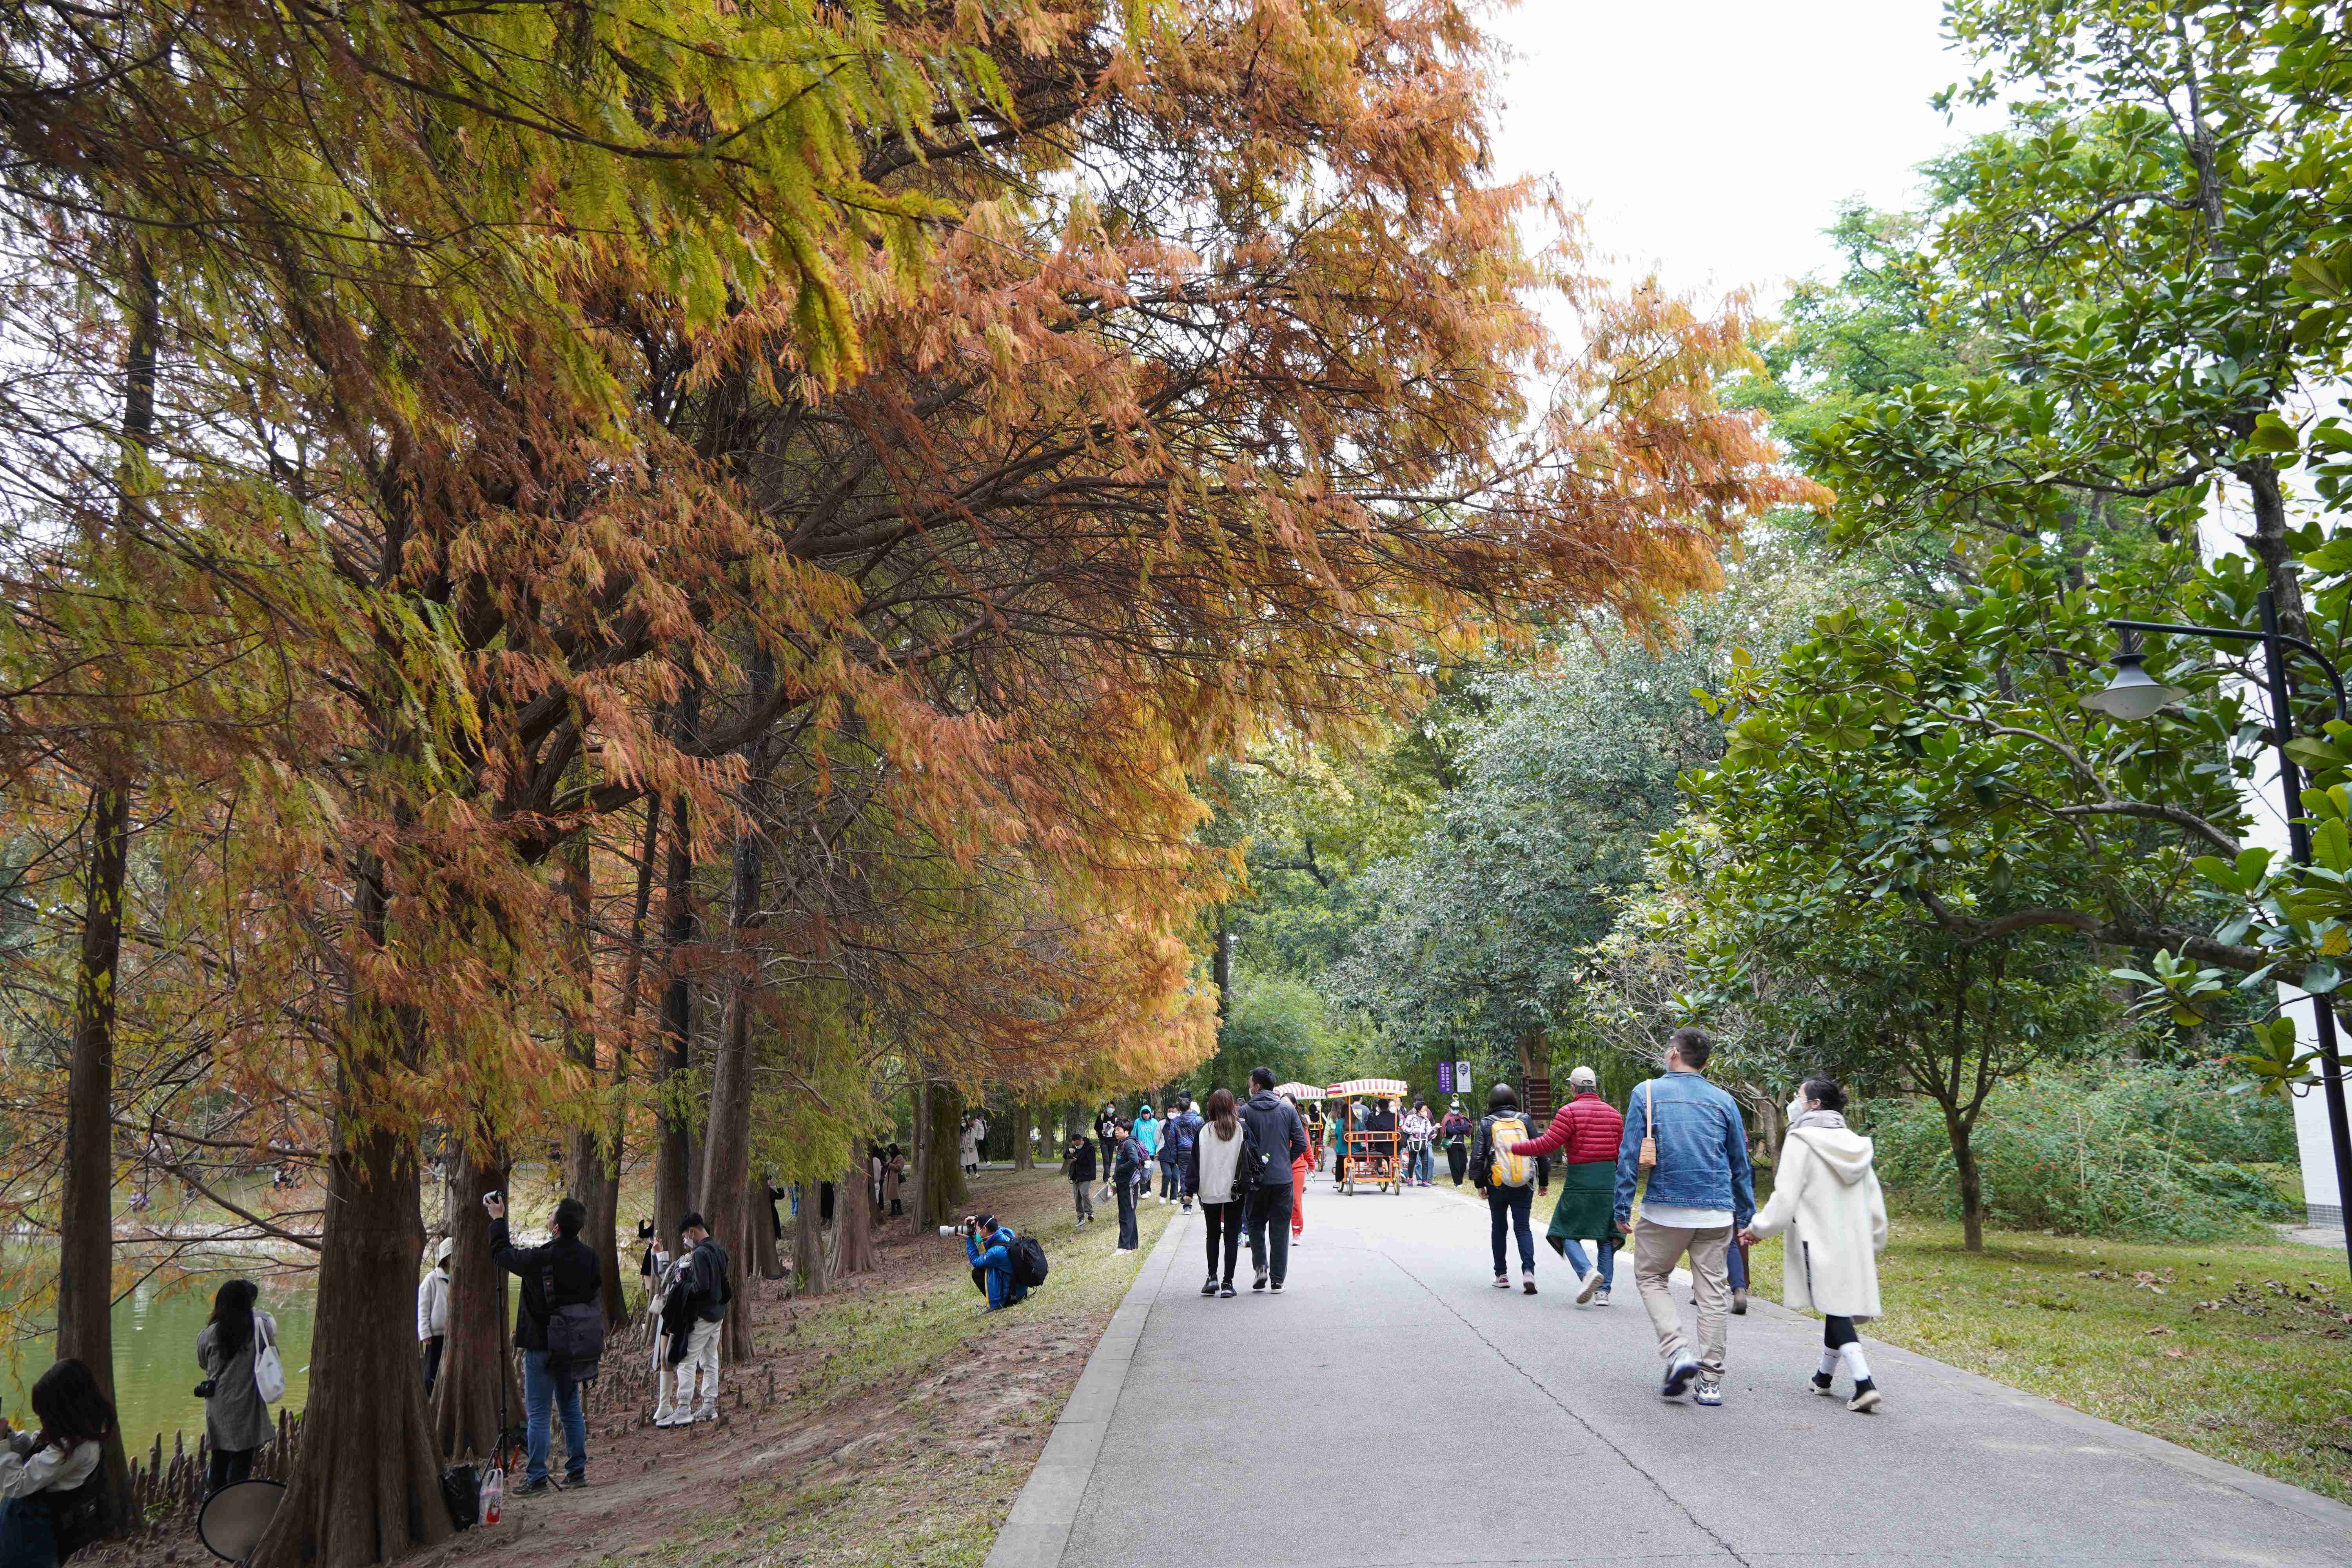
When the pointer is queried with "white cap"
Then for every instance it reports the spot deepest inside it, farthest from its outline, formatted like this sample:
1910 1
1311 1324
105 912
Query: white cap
441 1253
1583 1075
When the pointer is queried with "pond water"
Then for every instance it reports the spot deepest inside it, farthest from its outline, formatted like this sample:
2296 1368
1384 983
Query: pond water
155 1328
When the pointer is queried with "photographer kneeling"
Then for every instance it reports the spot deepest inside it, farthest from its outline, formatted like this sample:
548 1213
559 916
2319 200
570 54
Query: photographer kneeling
1002 1264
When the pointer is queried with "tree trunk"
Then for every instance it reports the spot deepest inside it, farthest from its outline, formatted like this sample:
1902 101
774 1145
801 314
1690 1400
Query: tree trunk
1964 1162
854 1217
605 1209
673 1189
586 1158
1222 969
762 1208
86 1214
367 1487
477 1395
1024 1158
940 1189
727 1149
85 1221
808 1244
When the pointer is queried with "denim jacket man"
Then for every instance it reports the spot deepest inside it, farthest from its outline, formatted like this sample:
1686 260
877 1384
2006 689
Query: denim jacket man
1701 1191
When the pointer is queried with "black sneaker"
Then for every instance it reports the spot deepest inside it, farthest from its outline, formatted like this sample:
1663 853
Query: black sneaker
1277 1287
1823 1384
1210 1288
1225 1292
1259 1283
571 1483
538 1488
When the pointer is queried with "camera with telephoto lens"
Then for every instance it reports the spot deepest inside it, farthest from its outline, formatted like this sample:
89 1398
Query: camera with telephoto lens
205 1389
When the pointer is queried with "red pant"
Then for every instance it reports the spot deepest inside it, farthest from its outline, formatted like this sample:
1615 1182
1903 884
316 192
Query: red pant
1298 1169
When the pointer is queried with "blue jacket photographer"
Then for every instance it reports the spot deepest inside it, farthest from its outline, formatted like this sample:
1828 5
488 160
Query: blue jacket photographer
1003 1264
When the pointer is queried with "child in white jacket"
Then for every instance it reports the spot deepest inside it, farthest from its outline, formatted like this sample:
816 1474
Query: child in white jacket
1825 1194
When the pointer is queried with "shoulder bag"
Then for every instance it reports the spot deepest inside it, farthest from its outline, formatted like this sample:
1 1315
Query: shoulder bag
268 1372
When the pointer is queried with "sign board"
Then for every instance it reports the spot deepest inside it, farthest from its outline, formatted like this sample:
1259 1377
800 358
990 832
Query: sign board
1446 1077
1462 1077
1538 1097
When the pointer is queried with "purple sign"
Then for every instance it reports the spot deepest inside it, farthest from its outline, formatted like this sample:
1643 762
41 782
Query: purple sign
1446 1077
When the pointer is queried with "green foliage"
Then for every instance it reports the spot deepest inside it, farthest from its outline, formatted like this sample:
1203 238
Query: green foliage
1277 1022
2138 1152
1476 944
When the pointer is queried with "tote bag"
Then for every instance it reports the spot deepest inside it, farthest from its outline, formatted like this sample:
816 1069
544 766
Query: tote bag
268 1372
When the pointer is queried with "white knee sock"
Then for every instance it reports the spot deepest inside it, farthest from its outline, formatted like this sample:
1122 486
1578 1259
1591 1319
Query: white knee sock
1855 1364
1829 1362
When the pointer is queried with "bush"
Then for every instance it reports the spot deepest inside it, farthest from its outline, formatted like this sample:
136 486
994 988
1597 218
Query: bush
2147 1152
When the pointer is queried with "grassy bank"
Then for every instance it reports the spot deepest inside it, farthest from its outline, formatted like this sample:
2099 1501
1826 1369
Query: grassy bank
905 1420
2240 1350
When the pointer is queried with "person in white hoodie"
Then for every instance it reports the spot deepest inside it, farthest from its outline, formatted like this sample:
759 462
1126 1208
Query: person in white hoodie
1213 1162
1825 1194
433 1313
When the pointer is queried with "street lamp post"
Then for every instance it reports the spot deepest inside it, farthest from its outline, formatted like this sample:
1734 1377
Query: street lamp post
2132 693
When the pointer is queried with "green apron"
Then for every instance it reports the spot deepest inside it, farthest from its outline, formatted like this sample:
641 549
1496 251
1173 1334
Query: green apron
1588 1194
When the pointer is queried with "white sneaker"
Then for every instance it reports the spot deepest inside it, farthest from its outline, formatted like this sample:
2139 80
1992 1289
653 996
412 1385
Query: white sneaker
1587 1287
708 1413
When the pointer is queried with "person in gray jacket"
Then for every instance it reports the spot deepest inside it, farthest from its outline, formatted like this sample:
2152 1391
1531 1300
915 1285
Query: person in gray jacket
1276 1137
237 1418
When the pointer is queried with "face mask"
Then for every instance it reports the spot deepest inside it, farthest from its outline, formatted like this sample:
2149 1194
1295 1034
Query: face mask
1796 1106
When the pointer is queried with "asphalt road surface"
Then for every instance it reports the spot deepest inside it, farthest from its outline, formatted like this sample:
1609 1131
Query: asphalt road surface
1393 1407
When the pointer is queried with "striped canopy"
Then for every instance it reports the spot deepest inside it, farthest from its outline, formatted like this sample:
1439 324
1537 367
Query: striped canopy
1361 1086
1298 1090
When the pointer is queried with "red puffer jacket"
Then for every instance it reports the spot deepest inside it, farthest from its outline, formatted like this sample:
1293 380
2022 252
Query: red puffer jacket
1588 1127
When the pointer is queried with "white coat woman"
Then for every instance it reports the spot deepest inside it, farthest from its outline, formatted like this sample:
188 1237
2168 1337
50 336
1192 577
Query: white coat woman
1825 1195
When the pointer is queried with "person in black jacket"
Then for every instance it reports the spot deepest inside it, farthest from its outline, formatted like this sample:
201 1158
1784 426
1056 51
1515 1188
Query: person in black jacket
693 1316
1078 1165
1127 1175
1276 1137
564 1273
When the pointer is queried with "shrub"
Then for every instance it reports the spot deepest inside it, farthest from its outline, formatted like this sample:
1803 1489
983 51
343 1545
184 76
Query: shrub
2148 1152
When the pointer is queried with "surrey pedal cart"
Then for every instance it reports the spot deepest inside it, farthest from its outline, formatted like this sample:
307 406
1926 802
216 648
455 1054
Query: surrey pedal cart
1371 1158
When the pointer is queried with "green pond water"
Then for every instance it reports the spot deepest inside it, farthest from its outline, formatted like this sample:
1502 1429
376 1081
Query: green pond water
155 1328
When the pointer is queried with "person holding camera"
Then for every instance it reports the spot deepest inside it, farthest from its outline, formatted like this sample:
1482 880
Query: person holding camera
1126 1174
692 1316
989 1246
564 1273
53 1492
237 1418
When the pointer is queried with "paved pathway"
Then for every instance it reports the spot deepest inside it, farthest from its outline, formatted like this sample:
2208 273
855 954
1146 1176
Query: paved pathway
1392 1407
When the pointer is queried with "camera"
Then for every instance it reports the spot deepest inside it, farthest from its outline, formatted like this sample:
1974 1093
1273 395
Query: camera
205 1389
489 1198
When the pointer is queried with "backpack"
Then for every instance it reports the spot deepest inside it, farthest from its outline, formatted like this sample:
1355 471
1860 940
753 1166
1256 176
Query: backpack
1186 1126
1507 1170
79 1517
1028 1260
1250 1164
575 1333
722 1289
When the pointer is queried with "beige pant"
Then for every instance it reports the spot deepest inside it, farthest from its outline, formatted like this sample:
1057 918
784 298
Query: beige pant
1656 1250
677 1400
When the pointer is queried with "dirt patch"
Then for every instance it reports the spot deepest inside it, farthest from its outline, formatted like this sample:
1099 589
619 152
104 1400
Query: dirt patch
892 1421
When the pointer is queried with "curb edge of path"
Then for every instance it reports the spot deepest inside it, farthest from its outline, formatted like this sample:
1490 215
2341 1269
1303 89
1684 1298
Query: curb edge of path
1037 1530
2219 1472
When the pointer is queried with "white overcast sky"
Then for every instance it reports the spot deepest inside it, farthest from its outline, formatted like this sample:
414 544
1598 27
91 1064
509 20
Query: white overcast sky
1713 140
